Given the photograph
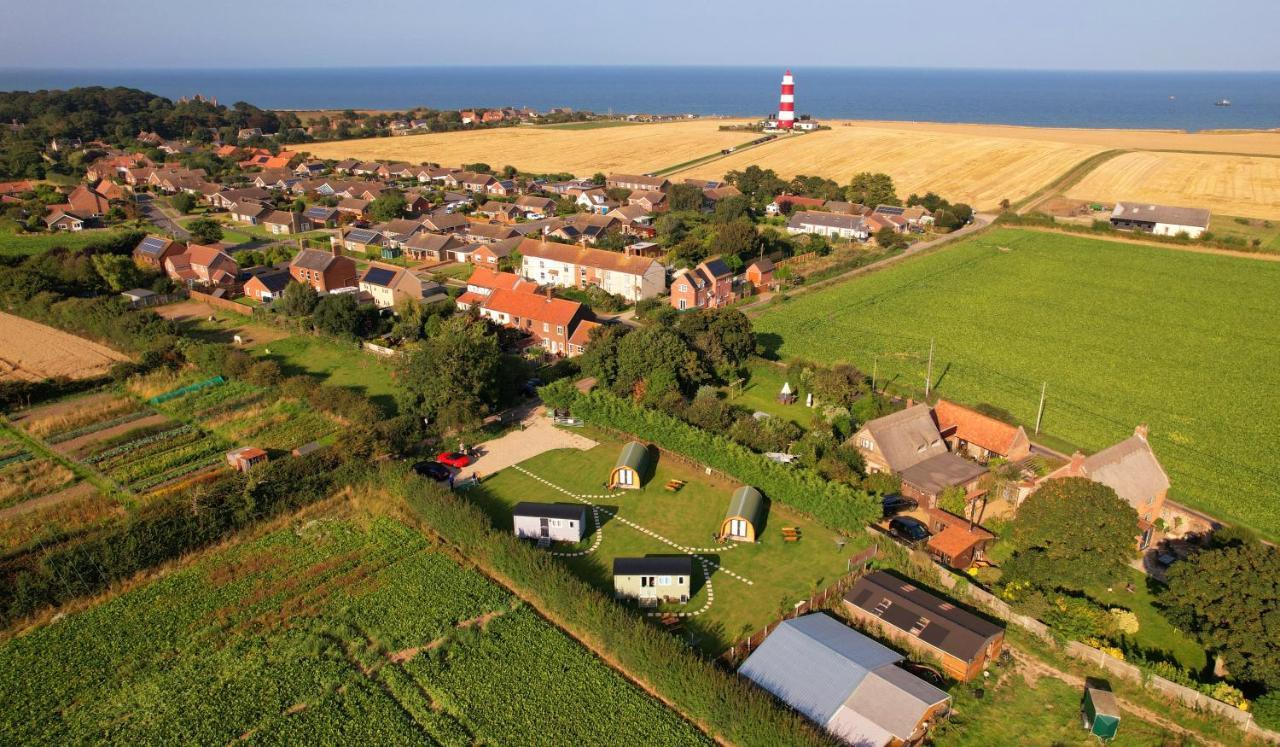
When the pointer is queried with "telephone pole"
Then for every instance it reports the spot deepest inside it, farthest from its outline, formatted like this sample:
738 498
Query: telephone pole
875 367
928 378
1040 410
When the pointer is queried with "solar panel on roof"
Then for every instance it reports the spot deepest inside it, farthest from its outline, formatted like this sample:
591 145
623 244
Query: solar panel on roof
362 235
379 276
153 245
317 212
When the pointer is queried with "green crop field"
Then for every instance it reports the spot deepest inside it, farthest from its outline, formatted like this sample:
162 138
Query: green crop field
1122 334
22 244
335 631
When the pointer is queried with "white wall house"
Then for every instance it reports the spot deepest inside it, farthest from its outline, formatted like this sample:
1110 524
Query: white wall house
1162 220
556 522
569 266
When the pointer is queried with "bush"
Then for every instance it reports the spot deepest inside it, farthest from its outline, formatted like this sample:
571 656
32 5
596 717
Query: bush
833 504
1266 710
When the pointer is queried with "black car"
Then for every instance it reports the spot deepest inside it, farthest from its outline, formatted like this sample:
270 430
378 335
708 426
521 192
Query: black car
909 530
896 504
435 470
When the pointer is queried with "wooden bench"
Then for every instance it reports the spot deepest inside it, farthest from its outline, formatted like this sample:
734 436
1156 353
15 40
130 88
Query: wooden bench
674 486
790 534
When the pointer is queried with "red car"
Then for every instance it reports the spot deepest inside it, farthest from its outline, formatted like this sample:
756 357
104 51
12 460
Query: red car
455 459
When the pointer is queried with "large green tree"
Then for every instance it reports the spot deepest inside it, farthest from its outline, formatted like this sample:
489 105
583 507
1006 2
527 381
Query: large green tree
118 271
738 237
338 315
1072 534
205 230
298 299
872 189
387 206
453 377
687 197
1229 597
657 360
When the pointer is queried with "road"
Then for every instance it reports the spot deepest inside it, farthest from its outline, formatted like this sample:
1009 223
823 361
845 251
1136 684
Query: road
162 217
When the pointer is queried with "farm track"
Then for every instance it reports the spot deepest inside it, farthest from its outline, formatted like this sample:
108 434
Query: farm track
1263 256
1067 180
78 490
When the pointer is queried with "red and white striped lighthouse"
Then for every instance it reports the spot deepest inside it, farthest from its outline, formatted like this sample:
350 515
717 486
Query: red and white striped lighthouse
787 103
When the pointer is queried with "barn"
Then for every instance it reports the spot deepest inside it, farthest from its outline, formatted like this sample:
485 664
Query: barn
745 514
632 466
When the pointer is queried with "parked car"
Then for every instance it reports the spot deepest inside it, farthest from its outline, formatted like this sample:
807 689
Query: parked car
434 470
455 459
896 504
909 530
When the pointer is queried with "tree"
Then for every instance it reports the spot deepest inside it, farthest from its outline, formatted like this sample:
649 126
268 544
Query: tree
118 271
759 185
338 315
205 230
600 359
387 206
722 336
840 384
888 238
1072 534
183 202
453 377
298 299
478 168
738 237
872 189
1228 597
732 208
685 197
656 360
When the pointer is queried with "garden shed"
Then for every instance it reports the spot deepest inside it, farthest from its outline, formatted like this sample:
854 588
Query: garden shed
745 514
632 465
1100 713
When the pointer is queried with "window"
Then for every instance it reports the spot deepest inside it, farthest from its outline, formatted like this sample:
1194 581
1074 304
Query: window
680 580
684 287
556 523
546 327
644 582
866 444
664 580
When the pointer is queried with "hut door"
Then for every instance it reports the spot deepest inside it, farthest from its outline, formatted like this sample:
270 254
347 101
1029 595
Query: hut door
737 528
542 528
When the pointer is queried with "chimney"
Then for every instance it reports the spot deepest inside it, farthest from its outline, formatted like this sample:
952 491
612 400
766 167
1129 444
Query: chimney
1141 431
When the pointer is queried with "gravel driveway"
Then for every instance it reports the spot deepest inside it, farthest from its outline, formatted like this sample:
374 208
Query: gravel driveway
538 435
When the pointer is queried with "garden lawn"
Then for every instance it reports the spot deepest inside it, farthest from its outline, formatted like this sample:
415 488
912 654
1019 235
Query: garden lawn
759 393
334 631
1155 632
23 244
338 364
781 573
1122 334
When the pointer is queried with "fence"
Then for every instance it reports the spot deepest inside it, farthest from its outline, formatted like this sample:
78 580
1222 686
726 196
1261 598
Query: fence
159 398
797 259
221 303
820 600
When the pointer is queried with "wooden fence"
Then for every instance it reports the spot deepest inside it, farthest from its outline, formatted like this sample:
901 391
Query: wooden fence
221 303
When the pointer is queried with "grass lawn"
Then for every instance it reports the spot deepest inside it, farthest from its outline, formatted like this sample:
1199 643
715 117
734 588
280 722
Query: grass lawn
23 244
781 573
1154 632
456 271
1268 232
1122 334
339 364
760 393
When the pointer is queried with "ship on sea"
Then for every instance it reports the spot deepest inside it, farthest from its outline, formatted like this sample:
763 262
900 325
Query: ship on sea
1222 102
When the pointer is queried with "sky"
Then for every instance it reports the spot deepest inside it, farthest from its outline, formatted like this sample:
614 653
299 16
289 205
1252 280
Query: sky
1007 34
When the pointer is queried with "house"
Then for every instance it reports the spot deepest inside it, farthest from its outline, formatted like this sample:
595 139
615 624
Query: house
711 196
894 442
502 211
111 191
637 183
398 231
246 457
437 247
654 579
926 480
877 222
633 278
979 436
1131 469
86 203
281 222
324 271
956 542
595 201
309 168
471 182
321 216
250 211
64 220
760 274
635 220
963 643
745 515
489 233
534 206
651 200
915 215
267 286
502 187
633 466
492 254
848 208
362 240
389 285
547 320
707 286
582 228
1161 220
354 206
581 336
839 225
202 264
484 281
845 682
552 522
783 204
152 251
445 223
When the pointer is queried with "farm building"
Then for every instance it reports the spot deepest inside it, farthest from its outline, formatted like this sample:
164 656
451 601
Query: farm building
899 440
557 522
980 436
653 580
1161 220
925 481
246 458
745 515
845 682
963 642
632 466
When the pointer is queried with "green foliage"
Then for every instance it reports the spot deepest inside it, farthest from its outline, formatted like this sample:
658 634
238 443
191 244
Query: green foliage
1266 710
1228 598
387 206
453 377
205 230
298 299
1072 533
736 238
953 500
682 197
758 185
835 505
183 202
338 315
872 189
882 483
118 271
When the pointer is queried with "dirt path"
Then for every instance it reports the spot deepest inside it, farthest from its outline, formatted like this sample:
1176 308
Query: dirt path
73 447
1033 669
66 495
536 435
1159 244
66 405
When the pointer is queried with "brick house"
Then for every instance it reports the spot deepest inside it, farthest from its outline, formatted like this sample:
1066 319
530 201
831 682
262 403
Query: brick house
549 321
899 440
707 286
979 436
637 183
202 265
152 251
760 274
484 281
324 271
633 278
955 541
268 285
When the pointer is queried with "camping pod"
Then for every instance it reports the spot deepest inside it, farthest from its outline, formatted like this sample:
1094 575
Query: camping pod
746 511
630 469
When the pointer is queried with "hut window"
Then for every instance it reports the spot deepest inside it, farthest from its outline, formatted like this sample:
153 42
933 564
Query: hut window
680 580
664 580
644 582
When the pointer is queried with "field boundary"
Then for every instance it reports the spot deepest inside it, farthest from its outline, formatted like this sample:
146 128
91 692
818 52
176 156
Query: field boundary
1068 180
1262 256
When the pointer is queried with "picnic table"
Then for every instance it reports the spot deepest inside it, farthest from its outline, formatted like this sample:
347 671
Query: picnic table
674 486
790 534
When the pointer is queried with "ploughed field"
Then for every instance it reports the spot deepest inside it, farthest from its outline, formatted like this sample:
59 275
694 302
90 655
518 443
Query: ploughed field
30 351
1238 185
341 629
1122 334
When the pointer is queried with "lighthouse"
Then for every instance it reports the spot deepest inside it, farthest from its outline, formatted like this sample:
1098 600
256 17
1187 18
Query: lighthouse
787 103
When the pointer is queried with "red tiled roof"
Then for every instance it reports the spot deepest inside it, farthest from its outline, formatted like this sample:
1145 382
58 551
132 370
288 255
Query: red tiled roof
974 427
486 278
956 538
532 306
582 333
578 255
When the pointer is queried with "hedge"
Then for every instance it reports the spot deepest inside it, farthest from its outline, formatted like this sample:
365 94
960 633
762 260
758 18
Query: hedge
834 504
730 708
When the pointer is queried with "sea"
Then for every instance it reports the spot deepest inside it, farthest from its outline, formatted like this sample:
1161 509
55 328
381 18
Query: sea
1164 100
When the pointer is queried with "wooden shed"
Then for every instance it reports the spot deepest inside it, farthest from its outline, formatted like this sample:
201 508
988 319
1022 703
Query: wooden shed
246 457
631 467
1100 713
745 514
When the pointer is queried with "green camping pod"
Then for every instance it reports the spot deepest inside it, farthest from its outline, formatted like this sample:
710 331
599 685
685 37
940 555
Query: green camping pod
746 510
631 467
1100 713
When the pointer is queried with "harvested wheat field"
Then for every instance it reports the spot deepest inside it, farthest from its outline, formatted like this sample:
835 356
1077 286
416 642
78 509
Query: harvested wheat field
1237 185
981 170
628 149
31 352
